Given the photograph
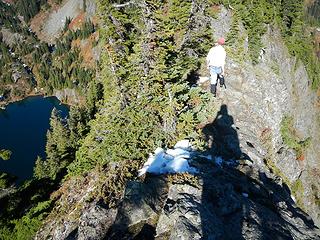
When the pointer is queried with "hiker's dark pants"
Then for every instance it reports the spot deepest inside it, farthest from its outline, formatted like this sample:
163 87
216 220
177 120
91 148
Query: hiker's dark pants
214 73
213 89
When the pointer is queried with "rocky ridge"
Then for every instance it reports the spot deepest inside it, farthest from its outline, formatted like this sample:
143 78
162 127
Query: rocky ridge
257 192
259 99
220 202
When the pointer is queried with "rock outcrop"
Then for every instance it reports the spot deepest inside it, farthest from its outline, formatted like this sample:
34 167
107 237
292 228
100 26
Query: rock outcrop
220 202
69 96
54 20
258 98
261 190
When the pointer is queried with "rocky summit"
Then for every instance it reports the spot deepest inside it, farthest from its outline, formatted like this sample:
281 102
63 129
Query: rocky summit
149 151
219 203
222 201
249 183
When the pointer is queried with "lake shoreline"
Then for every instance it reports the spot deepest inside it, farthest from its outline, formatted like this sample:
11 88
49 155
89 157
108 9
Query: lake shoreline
24 125
4 104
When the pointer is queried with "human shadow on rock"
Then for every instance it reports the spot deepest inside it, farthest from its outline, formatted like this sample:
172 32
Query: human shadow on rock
232 199
222 137
239 201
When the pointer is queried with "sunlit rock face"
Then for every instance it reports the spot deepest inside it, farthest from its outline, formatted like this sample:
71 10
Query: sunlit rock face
258 189
259 98
220 201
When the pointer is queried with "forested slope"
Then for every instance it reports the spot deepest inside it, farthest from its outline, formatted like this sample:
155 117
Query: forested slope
153 53
145 96
32 66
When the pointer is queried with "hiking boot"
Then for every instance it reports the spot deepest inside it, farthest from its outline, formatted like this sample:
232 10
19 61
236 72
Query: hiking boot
221 80
213 89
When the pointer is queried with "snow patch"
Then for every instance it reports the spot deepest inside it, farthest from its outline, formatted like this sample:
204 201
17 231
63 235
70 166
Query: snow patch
170 160
183 144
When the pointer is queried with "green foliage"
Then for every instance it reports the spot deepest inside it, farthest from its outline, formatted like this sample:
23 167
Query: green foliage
8 17
40 169
6 232
55 67
290 138
298 191
297 40
297 187
6 62
26 227
94 97
6 180
254 15
233 34
63 139
24 208
5 154
145 70
289 16
30 8
58 149
275 67
63 68
313 14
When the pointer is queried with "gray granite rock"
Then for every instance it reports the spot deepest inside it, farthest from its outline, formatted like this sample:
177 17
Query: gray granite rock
257 98
95 222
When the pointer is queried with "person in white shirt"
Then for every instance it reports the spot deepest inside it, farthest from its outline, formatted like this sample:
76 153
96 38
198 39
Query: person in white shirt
216 60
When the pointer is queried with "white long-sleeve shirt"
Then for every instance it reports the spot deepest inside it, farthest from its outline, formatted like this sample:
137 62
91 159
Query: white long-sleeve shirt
216 57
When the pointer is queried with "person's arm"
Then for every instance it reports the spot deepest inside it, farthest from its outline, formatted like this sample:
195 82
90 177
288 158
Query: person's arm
209 57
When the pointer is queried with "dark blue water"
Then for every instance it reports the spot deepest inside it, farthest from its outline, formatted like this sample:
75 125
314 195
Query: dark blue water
23 128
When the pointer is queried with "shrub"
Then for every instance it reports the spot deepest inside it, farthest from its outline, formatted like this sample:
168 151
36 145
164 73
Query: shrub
290 137
5 154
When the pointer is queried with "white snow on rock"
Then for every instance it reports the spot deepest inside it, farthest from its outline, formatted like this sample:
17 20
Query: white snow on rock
170 160
178 152
183 144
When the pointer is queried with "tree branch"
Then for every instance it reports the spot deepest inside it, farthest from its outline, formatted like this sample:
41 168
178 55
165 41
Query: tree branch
123 5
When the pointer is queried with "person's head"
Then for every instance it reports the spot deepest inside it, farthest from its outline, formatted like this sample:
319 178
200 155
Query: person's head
221 41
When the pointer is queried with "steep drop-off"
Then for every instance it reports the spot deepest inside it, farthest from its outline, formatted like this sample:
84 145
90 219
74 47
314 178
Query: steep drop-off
275 110
264 125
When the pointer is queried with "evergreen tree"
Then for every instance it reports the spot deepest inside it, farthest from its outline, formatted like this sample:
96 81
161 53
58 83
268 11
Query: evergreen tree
58 149
145 72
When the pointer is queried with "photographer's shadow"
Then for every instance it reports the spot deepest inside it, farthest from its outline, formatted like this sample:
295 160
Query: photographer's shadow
222 137
240 201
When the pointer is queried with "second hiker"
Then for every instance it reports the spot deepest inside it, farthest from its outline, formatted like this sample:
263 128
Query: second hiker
216 59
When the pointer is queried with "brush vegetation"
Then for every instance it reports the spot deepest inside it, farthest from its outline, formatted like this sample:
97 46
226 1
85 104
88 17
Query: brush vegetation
291 138
143 96
5 154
